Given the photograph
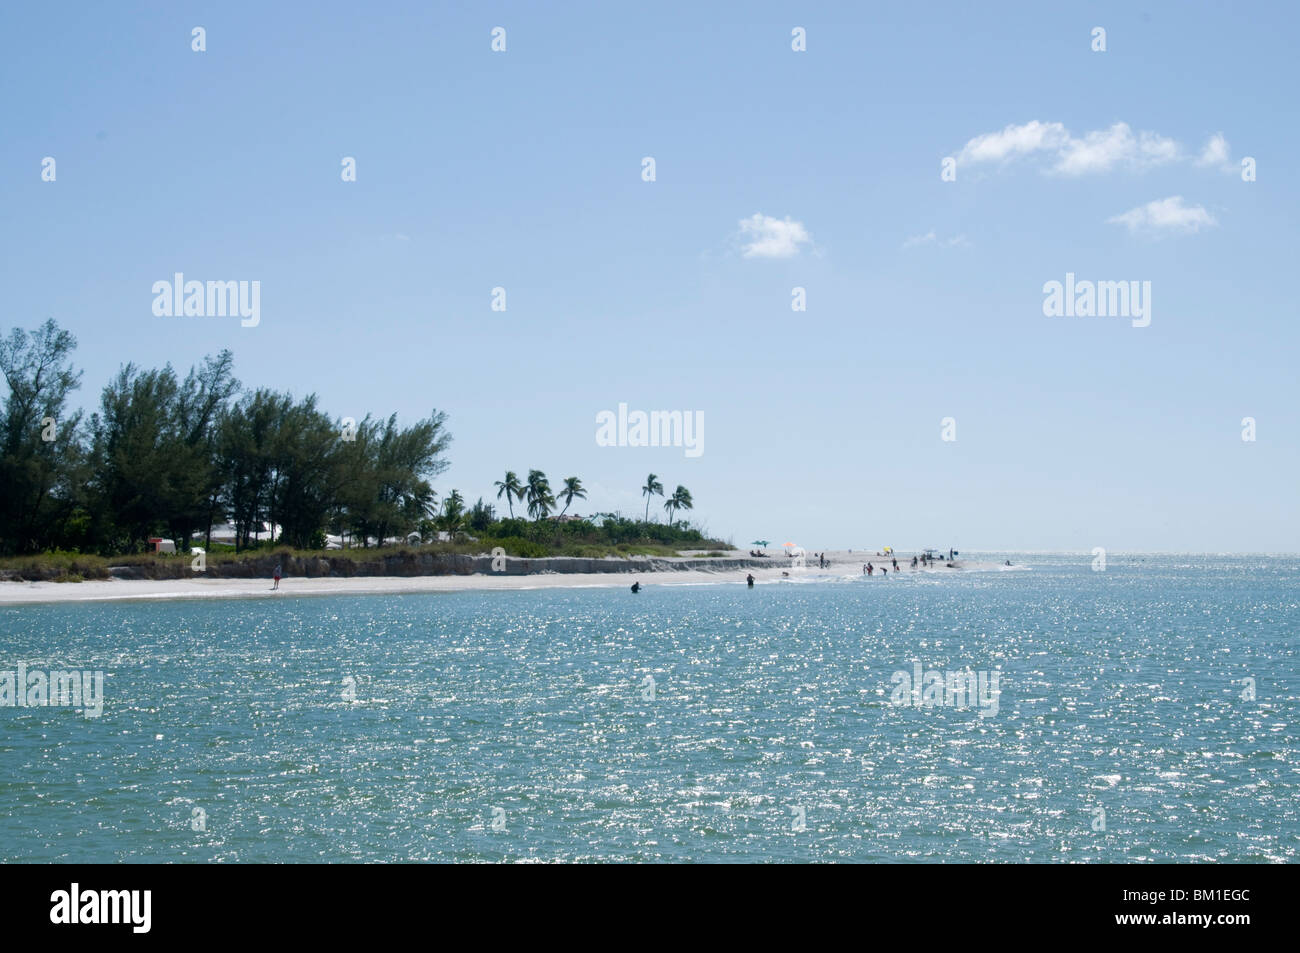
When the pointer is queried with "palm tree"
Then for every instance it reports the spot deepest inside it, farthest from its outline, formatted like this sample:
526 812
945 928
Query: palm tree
512 488
419 507
680 500
421 503
652 486
540 501
453 511
573 490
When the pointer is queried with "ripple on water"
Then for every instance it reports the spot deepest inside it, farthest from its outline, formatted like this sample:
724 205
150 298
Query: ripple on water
521 726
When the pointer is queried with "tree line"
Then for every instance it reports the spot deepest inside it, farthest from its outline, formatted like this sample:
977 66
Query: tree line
536 494
170 456
173 457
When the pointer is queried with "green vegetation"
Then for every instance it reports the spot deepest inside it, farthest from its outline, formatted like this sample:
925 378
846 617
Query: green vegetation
605 534
652 486
680 500
64 566
573 490
512 489
171 457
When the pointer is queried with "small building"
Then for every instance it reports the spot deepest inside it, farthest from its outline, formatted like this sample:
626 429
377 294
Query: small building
226 533
161 545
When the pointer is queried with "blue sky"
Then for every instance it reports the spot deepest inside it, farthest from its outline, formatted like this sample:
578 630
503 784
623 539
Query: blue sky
522 169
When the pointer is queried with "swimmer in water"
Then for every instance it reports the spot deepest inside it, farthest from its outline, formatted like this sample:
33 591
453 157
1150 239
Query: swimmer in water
636 587
750 579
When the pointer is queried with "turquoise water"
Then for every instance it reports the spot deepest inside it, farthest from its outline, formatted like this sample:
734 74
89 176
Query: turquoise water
519 726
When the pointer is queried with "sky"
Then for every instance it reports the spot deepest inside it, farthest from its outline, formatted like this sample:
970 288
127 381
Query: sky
775 168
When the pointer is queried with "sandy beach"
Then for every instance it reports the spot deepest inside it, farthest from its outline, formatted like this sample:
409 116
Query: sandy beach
844 565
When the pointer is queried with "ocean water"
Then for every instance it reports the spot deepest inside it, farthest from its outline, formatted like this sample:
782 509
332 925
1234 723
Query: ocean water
524 726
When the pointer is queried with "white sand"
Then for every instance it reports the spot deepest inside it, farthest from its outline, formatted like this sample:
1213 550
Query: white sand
843 564
19 593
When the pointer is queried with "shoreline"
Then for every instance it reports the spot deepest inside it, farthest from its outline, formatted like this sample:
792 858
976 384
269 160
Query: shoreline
148 590
659 572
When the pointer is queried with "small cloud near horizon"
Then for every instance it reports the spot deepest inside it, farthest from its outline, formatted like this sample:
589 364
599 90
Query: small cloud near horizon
766 237
1165 215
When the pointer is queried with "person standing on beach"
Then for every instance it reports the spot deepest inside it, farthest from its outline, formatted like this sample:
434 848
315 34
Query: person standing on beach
275 576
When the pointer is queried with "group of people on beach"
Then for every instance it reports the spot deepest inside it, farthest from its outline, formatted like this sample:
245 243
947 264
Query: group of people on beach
870 570
925 561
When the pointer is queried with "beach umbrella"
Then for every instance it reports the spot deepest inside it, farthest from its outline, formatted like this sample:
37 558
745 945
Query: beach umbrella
761 542
787 544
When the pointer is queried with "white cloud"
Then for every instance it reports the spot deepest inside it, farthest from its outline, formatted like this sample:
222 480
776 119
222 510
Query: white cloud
1166 215
1014 140
930 238
768 237
1216 152
1102 150
1154 149
1097 151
